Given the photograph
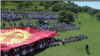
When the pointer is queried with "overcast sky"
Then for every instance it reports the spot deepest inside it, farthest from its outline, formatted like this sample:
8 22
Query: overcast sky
93 4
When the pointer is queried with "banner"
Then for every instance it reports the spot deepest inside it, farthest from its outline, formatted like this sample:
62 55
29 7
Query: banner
18 36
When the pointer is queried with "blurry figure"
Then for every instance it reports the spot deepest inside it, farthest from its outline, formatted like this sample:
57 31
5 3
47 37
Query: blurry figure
16 51
44 45
31 48
87 49
57 43
4 25
58 38
23 51
10 24
1 27
63 42
14 24
4 53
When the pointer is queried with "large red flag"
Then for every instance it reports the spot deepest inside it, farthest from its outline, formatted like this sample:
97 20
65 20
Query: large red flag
18 36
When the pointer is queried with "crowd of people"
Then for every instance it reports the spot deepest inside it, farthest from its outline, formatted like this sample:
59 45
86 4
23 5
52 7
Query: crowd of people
58 27
40 45
44 43
32 48
28 49
19 15
10 16
42 15
71 38
52 26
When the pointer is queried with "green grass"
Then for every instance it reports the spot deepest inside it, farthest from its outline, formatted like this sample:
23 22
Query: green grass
89 27
11 5
38 7
36 3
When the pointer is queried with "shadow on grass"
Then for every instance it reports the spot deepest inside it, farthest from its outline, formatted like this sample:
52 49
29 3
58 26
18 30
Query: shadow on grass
88 52
36 52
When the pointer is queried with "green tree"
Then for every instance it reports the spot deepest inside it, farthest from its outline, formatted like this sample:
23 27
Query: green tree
86 8
55 8
98 16
68 8
3 3
27 3
52 2
79 9
96 11
73 4
35 7
76 10
20 5
91 11
17 1
46 6
70 16
64 16
56 1
41 3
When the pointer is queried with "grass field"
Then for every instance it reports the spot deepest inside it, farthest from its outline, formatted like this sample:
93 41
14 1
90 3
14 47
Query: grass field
12 5
89 27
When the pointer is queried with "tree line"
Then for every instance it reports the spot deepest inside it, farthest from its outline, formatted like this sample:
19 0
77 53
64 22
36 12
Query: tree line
66 9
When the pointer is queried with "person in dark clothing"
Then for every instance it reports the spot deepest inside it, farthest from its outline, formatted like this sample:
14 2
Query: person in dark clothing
57 43
54 44
87 47
14 24
63 42
10 24
79 23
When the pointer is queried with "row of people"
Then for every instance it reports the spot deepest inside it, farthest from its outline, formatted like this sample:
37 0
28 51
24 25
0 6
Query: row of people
27 49
56 42
55 27
71 39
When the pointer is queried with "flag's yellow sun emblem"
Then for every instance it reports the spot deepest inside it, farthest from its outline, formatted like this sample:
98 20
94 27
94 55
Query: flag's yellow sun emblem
15 36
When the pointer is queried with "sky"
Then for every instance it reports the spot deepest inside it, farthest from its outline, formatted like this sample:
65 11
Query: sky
93 4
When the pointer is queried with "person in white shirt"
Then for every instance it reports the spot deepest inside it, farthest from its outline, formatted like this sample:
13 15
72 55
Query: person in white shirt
44 44
5 53
58 37
16 51
24 51
31 48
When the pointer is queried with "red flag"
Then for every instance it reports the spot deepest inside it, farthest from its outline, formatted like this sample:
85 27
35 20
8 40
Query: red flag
18 36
